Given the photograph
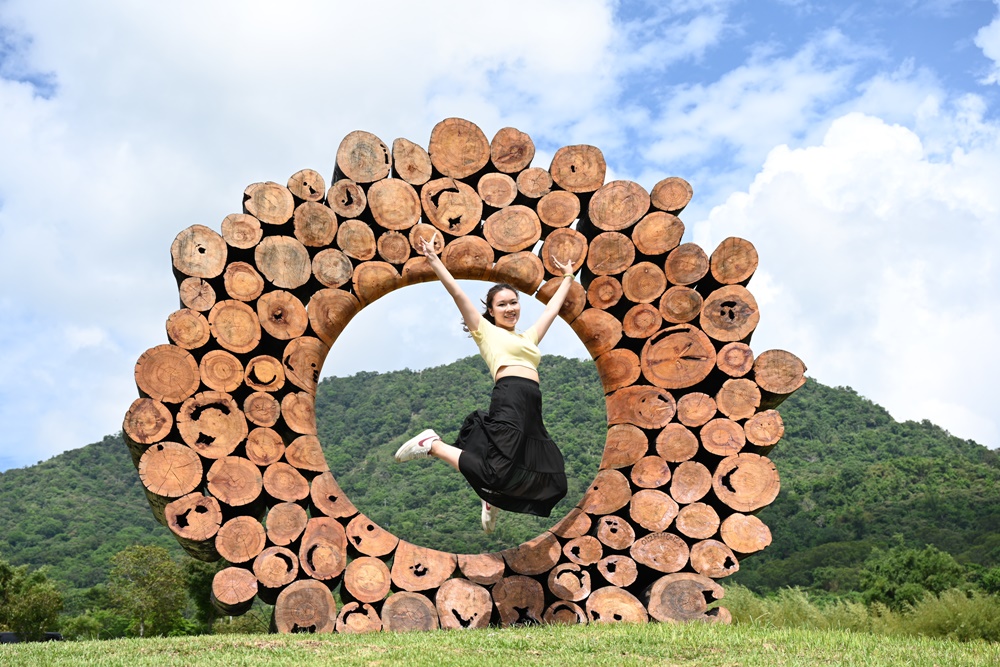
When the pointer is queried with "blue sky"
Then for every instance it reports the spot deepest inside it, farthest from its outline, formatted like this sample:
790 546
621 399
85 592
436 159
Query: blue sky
856 144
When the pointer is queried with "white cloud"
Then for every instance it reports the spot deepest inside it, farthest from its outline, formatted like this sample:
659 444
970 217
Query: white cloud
988 39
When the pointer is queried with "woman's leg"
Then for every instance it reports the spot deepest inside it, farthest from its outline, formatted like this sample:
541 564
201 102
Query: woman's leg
446 452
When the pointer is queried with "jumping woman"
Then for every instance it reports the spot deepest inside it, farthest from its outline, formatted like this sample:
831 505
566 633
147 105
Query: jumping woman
505 454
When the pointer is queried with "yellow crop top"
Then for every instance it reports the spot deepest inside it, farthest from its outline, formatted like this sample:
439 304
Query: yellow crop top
500 347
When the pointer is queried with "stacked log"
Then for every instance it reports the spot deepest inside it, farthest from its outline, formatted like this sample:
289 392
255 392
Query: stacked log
224 432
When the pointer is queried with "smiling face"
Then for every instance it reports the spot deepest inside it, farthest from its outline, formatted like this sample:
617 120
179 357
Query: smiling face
505 309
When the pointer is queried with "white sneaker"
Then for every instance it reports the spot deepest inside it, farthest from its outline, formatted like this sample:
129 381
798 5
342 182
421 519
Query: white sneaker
416 447
489 517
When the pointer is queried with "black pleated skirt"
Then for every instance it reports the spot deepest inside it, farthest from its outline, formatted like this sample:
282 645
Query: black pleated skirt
508 456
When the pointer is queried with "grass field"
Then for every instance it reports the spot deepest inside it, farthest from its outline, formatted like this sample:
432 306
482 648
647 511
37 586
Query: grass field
653 644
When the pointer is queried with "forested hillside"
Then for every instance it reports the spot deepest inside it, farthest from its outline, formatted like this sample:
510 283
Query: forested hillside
852 478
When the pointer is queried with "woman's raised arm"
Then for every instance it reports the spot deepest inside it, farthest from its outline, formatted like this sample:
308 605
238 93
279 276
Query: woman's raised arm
466 306
555 304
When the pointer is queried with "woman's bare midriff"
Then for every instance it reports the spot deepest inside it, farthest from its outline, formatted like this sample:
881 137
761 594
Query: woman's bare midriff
517 371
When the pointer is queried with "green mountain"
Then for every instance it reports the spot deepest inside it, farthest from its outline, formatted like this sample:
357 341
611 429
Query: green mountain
852 478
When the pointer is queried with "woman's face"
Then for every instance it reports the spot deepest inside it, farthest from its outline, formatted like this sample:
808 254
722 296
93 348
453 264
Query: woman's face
506 309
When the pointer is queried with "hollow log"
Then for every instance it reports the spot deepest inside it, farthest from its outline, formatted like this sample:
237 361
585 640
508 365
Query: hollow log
513 229
657 233
722 437
520 600
323 554
713 559
332 267
524 270
347 199
511 150
677 357
366 580
373 280
569 581
610 254
241 539
615 532
199 252
196 294
682 597
698 521
575 302
671 194
409 612
394 204
369 538
194 520
575 524
583 550
690 482
275 567
578 168
625 445
264 373
305 606
269 202
261 409
641 321
764 429
615 605
608 492
167 373
497 190
242 281
188 329
356 239
147 421
536 556
285 523
694 410
563 612
686 264
485 569
653 510
307 185
738 398
534 183
564 245
463 604
746 482
730 314
357 618
234 590
330 310
744 533
169 470
264 446
778 373
242 231
734 261
235 326
283 482
735 359
362 157
212 424
645 407
420 569
452 206
651 472
410 162
458 148
558 209
234 481
329 499
618 570
598 330
314 224
680 304
604 292
303 359
643 282
617 368
663 552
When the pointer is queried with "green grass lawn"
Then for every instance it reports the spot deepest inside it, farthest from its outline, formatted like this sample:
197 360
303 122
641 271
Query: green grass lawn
590 646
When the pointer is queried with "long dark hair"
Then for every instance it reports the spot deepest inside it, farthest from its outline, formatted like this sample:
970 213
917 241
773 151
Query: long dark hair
488 301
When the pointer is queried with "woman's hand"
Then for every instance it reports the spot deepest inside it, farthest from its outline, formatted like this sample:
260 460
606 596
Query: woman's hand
427 248
566 268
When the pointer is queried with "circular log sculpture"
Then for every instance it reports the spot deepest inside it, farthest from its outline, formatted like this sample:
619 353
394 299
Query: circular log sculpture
227 408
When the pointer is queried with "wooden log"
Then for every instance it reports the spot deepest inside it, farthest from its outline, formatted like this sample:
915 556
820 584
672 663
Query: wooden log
332 267
746 482
212 424
306 453
643 282
604 292
722 437
598 330
169 470
558 209
686 264
330 310
738 398
188 329
584 550
651 472
618 570
366 580
615 605
285 523
323 554
409 612
485 569
690 483
575 301
452 206
520 600
513 228
393 247
663 552
764 429
303 360
394 204
194 520
569 581
618 205
197 294
564 245
284 261
563 612
347 199
536 556
242 281
147 421
356 239
497 190
283 482
671 194
421 232
578 168
698 521
778 373
305 606
682 597
511 150
676 443
369 538
329 499
241 539
730 314
677 357
242 231
264 373
575 524
234 326
641 321
234 590
463 604
744 533
373 280
264 446
357 618
420 569
458 148
735 359
235 482
269 202
307 185
275 567
652 509
608 493
625 445
199 252
610 254
617 368
314 224
524 270
615 532
534 183
417 270
696 409
733 262
680 304
410 162
645 407
657 233
468 257
282 315
261 409
713 559
167 373
362 157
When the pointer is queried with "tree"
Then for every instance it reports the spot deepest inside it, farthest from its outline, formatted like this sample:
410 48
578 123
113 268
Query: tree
902 576
148 587
29 602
